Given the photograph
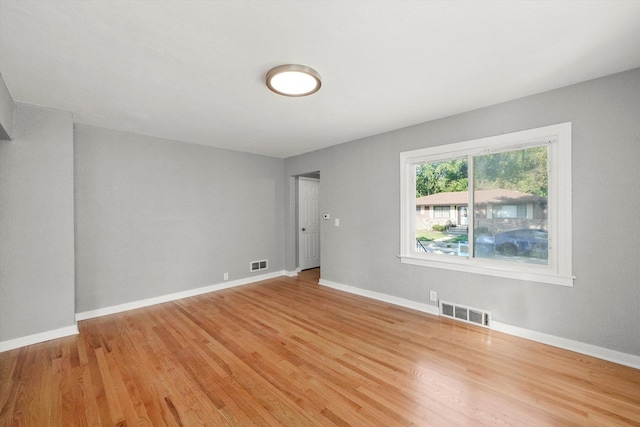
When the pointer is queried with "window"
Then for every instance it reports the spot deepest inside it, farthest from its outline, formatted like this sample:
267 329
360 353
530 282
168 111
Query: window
519 223
509 211
441 212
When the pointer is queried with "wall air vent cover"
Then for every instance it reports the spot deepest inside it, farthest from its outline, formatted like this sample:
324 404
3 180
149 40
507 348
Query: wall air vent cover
259 265
465 314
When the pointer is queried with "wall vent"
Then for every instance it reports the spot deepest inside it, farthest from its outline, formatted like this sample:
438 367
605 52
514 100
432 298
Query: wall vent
465 314
259 265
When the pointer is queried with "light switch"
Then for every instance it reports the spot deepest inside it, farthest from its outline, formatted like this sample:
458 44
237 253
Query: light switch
337 222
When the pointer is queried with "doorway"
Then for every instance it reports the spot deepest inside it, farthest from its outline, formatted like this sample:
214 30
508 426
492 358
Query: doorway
308 222
463 216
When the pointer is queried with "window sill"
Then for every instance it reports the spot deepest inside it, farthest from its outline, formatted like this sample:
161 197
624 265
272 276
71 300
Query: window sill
530 275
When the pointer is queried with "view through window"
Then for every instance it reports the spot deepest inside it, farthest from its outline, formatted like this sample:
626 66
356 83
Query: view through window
509 215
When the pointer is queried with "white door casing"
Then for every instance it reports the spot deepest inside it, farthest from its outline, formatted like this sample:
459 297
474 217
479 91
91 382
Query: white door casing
308 223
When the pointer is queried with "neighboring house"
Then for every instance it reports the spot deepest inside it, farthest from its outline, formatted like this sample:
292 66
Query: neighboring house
498 209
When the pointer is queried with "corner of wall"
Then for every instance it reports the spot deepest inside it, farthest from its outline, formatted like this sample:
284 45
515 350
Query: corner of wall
6 111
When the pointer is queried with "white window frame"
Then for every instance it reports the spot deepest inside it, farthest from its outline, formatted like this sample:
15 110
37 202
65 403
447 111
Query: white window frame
558 271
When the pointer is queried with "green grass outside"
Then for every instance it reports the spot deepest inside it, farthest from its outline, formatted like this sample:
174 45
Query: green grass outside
428 235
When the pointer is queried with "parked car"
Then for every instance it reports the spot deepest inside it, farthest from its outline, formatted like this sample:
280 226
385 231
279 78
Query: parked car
526 241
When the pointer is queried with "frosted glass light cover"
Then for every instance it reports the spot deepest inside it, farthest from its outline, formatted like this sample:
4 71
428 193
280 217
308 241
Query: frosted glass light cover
293 80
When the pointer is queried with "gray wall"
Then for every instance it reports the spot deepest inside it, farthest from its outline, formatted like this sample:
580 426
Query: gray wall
360 185
36 223
6 111
155 216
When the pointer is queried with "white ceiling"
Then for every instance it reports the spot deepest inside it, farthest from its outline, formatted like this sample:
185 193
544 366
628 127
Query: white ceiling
194 70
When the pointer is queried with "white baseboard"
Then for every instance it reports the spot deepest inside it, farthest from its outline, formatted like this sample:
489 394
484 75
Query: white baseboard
571 345
175 296
38 338
552 340
291 273
425 308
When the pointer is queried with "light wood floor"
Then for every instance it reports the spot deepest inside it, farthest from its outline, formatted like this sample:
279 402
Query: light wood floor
289 352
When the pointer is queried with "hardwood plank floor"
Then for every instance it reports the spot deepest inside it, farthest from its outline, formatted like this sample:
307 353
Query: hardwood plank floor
289 352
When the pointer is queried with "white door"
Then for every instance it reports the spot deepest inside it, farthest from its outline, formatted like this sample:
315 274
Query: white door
308 223
463 215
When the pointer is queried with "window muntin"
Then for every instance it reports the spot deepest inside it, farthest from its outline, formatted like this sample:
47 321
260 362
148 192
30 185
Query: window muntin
538 203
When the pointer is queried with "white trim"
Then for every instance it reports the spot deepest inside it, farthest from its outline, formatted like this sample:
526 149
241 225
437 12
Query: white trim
552 340
425 308
175 296
457 264
38 338
558 140
290 273
571 345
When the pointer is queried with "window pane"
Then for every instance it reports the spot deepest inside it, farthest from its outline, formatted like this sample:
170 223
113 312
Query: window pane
510 205
442 197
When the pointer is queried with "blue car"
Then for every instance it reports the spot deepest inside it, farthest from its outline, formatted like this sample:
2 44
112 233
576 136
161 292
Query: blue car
525 241
522 242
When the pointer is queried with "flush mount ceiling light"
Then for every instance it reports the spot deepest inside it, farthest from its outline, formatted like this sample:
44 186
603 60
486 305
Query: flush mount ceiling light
293 80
